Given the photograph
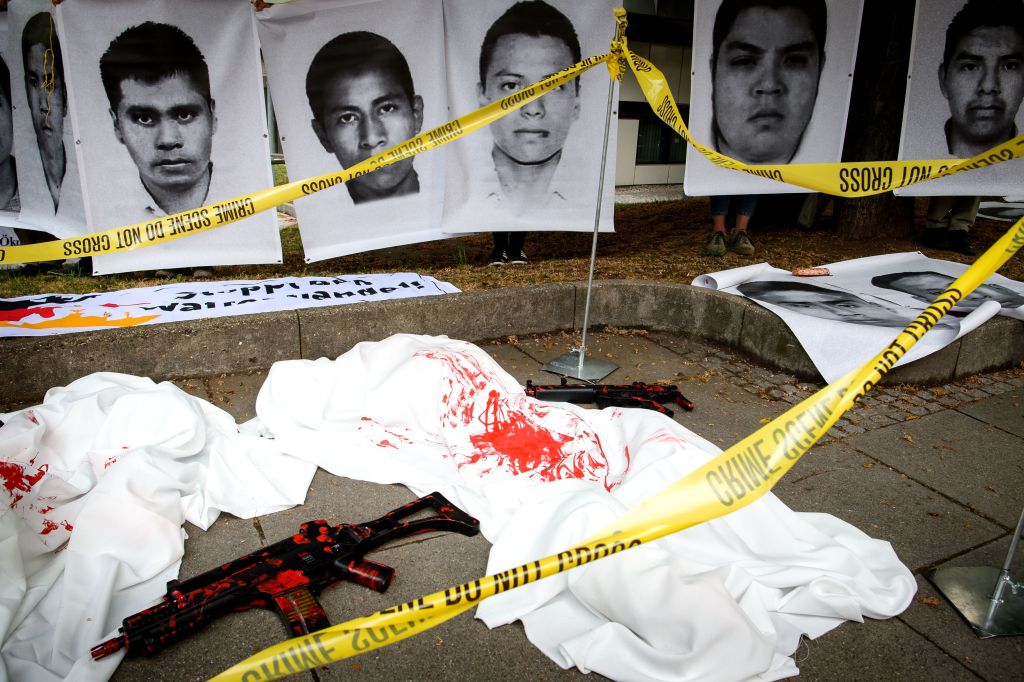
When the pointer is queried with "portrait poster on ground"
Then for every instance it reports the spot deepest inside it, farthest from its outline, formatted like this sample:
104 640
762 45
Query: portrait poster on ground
914 280
168 113
842 320
49 189
539 167
349 79
769 86
964 93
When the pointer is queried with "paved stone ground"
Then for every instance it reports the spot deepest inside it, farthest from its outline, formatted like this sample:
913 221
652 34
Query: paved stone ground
937 472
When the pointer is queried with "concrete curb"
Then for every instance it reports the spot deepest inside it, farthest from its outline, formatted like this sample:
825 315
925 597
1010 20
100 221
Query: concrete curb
250 342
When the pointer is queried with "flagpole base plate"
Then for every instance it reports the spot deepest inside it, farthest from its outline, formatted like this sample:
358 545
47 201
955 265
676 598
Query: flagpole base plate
970 588
568 365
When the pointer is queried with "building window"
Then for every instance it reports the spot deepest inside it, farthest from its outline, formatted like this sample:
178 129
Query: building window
655 141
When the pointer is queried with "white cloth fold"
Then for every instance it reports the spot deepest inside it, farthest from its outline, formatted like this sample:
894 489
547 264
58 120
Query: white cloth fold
100 478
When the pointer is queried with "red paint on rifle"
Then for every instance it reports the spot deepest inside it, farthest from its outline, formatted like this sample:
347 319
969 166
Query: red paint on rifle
286 576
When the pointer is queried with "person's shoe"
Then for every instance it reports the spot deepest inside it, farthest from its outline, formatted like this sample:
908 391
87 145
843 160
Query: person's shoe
498 258
960 242
519 259
934 238
740 243
202 273
716 245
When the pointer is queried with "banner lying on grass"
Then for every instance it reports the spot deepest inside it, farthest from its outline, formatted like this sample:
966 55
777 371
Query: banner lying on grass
63 313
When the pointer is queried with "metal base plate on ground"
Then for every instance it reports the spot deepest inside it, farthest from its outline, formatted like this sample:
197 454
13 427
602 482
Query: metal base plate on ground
969 589
568 365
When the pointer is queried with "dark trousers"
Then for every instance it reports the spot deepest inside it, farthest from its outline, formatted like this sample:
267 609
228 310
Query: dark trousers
509 242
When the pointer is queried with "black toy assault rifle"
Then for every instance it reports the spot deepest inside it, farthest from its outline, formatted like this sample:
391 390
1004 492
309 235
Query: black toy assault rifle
636 394
286 576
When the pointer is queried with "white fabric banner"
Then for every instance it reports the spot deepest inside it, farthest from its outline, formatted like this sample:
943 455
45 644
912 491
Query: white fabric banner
97 482
845 318
539 167
961 102
45 314
350 78
543 476
48 176
168 112
769 86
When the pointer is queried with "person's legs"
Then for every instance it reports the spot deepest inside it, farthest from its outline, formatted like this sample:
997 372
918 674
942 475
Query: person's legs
719 209
740 241
936 222
962 214
500 253
514 250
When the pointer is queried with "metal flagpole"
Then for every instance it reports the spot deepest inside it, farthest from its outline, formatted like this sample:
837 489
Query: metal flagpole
575 363
985 596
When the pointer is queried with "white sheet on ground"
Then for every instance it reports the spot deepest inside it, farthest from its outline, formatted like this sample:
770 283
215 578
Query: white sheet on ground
726 600
99 479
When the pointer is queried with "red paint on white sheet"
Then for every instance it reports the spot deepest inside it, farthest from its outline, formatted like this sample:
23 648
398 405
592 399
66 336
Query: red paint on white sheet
465 378
515 442
394 434
18 478
49 526
111 461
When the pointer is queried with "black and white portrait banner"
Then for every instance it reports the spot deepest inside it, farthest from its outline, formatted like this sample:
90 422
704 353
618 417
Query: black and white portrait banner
770 85
349 79
845 318
538 168
10 205
169 115
964 93
46 314
49 188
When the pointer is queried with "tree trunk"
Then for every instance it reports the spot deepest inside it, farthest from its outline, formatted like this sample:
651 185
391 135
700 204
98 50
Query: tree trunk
875 117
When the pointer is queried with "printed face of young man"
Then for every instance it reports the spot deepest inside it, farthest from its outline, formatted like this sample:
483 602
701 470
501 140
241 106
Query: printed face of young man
536 131
984 84
834 305
46 104
363 114
765 83
926 287
167 128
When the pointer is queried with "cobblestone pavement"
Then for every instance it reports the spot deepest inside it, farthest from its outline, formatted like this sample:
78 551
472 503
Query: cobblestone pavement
884 406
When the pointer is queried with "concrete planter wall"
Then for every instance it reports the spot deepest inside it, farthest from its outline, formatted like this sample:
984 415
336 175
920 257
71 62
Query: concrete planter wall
237 344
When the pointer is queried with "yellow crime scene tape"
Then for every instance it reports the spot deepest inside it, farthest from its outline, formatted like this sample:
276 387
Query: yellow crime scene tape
849 179
732 480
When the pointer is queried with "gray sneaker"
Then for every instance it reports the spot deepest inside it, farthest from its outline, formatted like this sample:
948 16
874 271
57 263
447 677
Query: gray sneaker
716 245
739 241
